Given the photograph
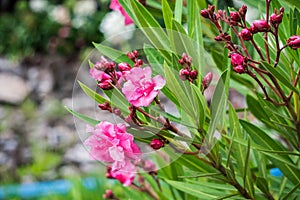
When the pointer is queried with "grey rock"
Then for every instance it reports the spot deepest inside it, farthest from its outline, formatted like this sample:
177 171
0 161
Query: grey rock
13 89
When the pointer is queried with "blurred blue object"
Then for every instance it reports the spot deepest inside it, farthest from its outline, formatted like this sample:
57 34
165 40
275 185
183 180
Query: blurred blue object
38 189
275 172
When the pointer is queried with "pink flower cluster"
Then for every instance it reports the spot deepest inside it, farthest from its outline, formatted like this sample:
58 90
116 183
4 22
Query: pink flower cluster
113 145
140 88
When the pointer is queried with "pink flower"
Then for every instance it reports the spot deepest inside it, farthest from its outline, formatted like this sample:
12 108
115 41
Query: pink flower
115 5
294 42
112 144
140 89
125 175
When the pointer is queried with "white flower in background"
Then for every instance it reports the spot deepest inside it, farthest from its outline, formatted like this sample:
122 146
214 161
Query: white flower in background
85 7
60 14
114 29
38 5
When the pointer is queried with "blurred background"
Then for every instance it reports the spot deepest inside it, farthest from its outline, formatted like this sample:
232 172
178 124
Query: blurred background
42 45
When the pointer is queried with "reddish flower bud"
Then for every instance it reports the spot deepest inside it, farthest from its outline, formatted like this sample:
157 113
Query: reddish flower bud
108 195
132 55
243 11
117 111
235 16
294 42
276 19
106 84
187 59
184 74
211 8
194 74
227 37
281 10
236 59
246 34
105 106
204 13
260 26
207 80
239 69
157 144
124 67
138 63
218 38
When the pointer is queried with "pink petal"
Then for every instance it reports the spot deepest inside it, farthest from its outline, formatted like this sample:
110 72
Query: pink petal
159 82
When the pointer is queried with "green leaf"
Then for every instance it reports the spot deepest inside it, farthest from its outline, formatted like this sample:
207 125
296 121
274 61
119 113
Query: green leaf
191 189
218 106
293 3
95 96
178 10
167 14
155 60
149 26
279 76
118 100
287 196
113 54
284 163
262 184
82 117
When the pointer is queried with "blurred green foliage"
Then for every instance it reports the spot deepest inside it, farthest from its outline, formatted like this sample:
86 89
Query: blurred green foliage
24 32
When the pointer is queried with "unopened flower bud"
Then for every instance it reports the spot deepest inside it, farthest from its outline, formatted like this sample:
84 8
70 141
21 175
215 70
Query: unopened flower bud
235 16
149 166
211 8
204 13
194 74
124 67
236 59
276 19
243 11
106 84
239 69
187 59
227 37
157 144
108 195
117 111
138 63
246 34
260 26
281 10
294 42
207 80
184 74
218 38
132 55
105 106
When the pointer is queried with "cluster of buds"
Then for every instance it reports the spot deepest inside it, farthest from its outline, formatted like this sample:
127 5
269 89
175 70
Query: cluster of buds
186 73
134 57
105 73
238 62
